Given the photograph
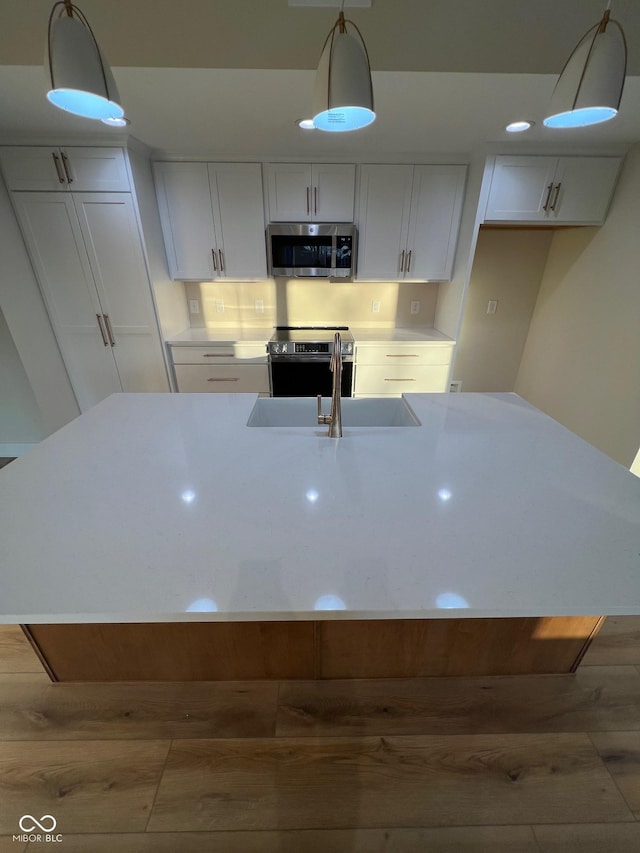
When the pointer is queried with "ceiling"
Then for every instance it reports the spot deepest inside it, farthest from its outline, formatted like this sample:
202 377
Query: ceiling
229 77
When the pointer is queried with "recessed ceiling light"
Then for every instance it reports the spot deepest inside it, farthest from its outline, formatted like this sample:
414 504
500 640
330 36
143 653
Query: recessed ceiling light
305 123
519 126
123 121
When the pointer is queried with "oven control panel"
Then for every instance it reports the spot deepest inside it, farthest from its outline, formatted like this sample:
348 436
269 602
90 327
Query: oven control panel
315 347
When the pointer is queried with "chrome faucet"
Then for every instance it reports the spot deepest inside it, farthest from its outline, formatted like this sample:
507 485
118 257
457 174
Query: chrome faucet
335 418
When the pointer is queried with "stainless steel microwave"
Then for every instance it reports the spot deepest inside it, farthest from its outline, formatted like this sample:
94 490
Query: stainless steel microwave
307 250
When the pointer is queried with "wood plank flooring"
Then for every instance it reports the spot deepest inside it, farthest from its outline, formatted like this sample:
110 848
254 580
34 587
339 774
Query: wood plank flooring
538 764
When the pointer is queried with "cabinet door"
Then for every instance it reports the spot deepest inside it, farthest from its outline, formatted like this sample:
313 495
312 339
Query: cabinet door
95 169
332 192
289 187
184 201
54 241
61 169
520 189
383 220
33 168
436 206
583 187
114 248
238 209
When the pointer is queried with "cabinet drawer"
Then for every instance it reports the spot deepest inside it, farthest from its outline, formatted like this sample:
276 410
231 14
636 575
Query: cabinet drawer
232 353
400 379
403 354
223 378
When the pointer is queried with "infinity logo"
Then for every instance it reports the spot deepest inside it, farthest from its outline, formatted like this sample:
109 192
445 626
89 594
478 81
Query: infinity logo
40 824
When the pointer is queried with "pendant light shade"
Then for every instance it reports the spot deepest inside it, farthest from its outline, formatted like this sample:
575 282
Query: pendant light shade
80 78
590 86
343 95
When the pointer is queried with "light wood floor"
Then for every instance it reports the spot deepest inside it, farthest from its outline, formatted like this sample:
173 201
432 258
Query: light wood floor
532 764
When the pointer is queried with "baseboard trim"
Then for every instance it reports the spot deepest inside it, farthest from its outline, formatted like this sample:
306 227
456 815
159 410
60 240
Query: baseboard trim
16 449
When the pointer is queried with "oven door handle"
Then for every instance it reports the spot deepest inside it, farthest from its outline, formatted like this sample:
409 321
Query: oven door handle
319 275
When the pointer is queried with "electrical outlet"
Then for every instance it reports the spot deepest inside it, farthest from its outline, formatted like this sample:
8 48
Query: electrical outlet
415 307
375 306
194 306
259 306
219 306
492 306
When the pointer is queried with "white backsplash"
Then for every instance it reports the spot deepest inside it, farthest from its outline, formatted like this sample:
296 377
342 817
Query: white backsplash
293 302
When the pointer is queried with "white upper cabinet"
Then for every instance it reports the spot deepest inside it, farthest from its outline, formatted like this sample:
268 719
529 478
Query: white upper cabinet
409 217
563 190
62 169
212 218
88 257
303 192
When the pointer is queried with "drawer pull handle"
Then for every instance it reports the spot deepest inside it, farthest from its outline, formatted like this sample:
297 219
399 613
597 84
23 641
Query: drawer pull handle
221 260
409 260
104 337
65 164
107 323
400 380
553 204
402 261
404 355
233 379
215 263
56 161
218 355
308 207
545 206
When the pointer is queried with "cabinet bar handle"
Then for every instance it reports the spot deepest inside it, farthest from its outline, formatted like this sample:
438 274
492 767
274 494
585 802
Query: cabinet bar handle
545 206
100 326
402 261
233 379
215 263
308 209
56 160
409 260
315 199
552 206
67 171
107 323
400 380
221 260
218 355
404 355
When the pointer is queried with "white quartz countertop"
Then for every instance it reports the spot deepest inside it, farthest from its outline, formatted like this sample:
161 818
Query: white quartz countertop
221 335
261 334
166 507
414 334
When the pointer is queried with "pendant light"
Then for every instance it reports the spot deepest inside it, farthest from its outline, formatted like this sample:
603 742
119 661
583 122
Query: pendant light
343 94
590 85
80 77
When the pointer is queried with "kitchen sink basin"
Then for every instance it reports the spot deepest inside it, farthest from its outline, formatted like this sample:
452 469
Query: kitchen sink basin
303 412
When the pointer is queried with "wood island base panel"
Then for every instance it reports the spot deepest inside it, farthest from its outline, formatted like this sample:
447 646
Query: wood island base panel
393 648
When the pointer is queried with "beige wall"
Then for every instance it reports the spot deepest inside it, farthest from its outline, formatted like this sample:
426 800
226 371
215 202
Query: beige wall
581 362
508 266
291 302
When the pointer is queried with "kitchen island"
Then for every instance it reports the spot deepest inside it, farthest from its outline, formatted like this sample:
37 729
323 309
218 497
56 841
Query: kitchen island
159 537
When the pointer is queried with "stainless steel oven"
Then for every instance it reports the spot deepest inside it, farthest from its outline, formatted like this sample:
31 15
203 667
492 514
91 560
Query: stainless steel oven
299 359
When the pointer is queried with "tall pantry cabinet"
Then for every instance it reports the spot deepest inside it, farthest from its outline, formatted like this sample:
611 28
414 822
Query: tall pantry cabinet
87 253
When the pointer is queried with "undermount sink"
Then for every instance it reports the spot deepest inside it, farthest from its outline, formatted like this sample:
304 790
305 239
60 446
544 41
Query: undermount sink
303 412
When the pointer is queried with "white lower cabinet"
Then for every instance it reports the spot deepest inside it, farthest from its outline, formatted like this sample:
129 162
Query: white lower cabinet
87 254
223 368
393 369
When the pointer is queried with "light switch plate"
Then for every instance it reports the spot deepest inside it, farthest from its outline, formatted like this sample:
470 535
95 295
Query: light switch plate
415 307
492 306
194 306
375 306
219 306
